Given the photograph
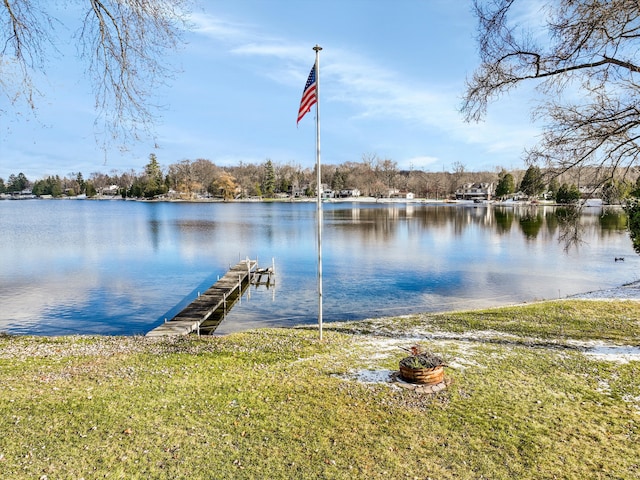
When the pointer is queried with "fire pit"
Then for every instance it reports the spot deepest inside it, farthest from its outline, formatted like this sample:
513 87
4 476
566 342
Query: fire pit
422 367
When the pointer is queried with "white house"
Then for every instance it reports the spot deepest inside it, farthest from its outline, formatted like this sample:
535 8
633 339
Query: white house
475 191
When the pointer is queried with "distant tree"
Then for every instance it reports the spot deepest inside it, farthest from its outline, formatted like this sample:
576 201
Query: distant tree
3 187
56 186
585 48
124 43
204 172
100 180
48 186
182 178
418 183
81 183
250 178
568 194
226 185
379 189
136 190
284 184
338 182
458 175
154 184
287 176
90 189
17 183
39 188
506 184
269 182
532 183
361 175
614 191
635 192
126 181
632 209
387 171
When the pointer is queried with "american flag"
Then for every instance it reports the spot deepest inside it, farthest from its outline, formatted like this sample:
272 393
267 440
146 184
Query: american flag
309 96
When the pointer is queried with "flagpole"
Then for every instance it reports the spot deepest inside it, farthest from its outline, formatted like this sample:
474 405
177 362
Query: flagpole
317 49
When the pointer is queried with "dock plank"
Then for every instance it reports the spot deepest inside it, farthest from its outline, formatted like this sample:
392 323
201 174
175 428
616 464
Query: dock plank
213 300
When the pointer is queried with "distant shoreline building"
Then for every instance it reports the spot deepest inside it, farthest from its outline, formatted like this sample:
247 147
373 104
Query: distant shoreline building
475 191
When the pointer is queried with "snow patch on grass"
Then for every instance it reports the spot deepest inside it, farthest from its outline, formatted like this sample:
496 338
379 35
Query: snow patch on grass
615 353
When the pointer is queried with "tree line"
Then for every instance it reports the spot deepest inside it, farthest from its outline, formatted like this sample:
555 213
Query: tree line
372 176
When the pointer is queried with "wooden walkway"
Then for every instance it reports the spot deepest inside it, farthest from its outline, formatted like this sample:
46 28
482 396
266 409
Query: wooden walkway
210 306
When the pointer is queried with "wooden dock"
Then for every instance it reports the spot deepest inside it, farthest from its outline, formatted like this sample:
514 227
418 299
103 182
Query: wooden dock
207 311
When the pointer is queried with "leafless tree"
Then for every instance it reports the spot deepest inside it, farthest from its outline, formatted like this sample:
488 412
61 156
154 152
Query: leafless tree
205 172
584 64
386 171
124 43
183 179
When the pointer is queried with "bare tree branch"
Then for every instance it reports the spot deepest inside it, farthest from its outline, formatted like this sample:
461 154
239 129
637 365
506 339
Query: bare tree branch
124 42
585 67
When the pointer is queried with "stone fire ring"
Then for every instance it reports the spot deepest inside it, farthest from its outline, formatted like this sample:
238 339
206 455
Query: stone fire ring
397 379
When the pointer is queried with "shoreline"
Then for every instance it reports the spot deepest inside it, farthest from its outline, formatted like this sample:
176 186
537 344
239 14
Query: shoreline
589 203
627 292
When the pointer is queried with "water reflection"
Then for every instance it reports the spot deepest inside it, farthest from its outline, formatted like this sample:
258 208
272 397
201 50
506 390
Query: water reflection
118 267
612 219
504 220
569 223
531 223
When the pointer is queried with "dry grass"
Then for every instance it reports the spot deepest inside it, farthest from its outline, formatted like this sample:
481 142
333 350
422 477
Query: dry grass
277 403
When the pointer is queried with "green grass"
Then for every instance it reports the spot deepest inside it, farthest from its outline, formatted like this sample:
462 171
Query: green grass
278 403
615 322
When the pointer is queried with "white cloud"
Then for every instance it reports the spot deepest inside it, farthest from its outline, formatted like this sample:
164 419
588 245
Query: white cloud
281 51
220 29
373 91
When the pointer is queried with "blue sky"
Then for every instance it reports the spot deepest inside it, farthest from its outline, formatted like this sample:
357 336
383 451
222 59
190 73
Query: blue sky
392 75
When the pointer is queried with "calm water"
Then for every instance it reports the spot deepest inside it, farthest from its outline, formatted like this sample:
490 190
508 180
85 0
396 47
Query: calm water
115 267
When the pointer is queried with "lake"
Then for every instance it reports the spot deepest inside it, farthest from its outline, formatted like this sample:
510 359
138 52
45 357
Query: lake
120 267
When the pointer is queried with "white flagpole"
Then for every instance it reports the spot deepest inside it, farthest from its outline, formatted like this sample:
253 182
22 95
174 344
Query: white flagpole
317 49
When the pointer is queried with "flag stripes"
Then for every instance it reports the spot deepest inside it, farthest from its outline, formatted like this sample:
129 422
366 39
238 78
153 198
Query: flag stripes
309 96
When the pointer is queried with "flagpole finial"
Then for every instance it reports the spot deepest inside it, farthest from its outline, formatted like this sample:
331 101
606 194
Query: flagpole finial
317 48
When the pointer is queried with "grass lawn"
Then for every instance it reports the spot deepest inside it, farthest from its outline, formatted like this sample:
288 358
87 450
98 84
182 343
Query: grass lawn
525 400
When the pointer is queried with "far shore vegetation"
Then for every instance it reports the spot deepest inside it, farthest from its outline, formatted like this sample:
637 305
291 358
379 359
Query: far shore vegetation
543 390
373 177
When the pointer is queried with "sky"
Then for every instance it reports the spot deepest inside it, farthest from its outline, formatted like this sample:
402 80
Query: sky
392 77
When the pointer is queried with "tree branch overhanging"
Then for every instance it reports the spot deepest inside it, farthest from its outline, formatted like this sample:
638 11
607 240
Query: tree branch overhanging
125 44
586 51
